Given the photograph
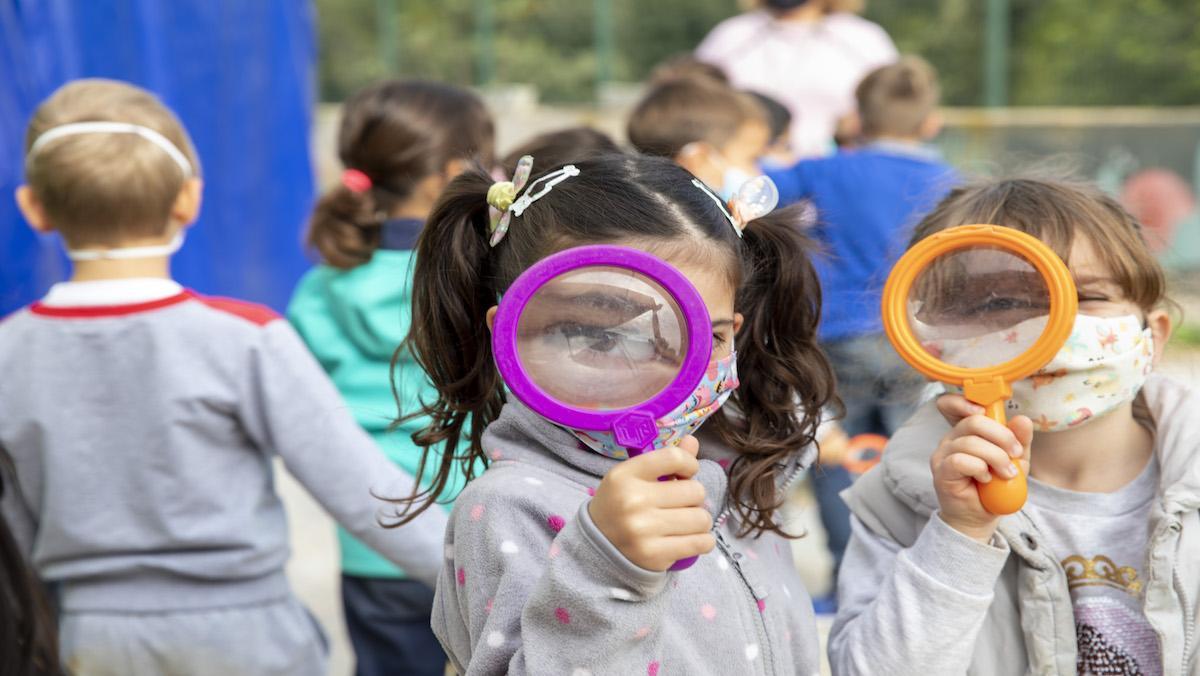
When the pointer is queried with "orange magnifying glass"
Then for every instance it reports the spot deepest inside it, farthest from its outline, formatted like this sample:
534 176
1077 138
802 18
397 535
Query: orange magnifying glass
980 307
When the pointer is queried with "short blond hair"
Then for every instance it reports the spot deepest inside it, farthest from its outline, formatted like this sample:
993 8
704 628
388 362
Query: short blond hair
689 110
896 99
104 188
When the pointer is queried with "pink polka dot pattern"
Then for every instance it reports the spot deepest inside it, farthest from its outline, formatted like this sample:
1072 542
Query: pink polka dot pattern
488 607
564 617
554 550
708 612
592 492
652 668
762 605
461 576
642 633
556 522
477 512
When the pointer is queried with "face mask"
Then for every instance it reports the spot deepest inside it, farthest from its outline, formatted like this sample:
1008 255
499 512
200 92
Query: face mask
713 391
732 181
784 4
1102 366
128 253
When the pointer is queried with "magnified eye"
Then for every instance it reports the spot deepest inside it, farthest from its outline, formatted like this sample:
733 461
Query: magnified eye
595 345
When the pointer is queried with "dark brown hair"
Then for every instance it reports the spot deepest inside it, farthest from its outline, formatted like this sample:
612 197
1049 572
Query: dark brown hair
102 189
652 204
397 132
1057 211
28 638
556 148
678 112
686 67
896 99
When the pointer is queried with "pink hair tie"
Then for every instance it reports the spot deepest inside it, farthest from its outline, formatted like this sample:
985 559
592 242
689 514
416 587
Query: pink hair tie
356 181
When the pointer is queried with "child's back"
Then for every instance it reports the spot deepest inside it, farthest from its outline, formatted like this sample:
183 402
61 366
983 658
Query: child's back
142 419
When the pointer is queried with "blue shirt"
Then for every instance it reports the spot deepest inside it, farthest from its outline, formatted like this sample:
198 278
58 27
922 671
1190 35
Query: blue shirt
867 202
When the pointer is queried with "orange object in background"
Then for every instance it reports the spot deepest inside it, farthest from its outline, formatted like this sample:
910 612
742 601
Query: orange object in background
864 452
953 292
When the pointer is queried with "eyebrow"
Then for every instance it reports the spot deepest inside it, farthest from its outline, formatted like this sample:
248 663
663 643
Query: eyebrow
1093 279
722 322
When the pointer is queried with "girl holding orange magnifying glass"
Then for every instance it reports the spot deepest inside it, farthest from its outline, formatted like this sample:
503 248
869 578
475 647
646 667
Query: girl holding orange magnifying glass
1095 571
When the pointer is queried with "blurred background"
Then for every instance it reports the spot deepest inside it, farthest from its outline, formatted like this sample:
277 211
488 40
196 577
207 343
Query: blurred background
1107 88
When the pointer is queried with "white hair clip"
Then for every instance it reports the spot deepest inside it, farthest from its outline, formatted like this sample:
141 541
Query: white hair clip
108 127
501 195
754 199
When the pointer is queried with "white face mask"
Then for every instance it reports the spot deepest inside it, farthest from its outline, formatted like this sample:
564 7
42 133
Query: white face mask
1102 366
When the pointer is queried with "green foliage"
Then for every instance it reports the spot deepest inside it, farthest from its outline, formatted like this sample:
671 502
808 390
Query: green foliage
1063 52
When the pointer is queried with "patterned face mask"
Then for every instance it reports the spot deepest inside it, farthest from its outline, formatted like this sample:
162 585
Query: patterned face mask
714 389
1102 366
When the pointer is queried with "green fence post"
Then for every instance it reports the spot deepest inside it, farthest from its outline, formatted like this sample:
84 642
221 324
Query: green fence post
485 42
604 40
388 36
995 54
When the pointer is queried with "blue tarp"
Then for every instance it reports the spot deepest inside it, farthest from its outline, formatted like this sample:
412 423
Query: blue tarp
241 76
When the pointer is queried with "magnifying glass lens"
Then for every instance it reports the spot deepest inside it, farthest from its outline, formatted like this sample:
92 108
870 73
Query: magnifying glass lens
978 307
601 338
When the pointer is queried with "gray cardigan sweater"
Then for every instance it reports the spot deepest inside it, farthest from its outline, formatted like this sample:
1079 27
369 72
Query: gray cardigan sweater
531 586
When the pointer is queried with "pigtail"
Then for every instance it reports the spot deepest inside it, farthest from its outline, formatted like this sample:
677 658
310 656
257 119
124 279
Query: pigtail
786 379
345 227
449 339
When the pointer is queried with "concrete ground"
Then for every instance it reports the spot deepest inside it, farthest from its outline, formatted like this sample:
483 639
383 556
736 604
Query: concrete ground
314 566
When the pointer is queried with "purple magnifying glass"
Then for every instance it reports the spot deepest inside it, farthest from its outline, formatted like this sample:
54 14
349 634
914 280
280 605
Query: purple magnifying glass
603 338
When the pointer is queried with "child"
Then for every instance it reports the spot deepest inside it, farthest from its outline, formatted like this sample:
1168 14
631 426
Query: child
1097 574
779 152
401 143
142 419
713 131
542 578
866 202
556 148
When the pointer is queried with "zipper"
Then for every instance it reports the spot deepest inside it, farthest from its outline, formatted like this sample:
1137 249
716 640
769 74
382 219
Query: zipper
792 477
760 626
1189 621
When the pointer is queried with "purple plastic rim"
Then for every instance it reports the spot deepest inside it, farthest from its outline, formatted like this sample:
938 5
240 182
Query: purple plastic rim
691 305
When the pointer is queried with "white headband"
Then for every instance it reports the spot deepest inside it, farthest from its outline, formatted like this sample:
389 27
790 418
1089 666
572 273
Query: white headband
147 133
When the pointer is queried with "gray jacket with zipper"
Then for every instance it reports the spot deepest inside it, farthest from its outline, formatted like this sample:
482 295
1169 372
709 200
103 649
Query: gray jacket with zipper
926 600
531 586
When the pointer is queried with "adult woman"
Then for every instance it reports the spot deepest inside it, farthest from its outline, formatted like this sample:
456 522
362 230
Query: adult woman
808 54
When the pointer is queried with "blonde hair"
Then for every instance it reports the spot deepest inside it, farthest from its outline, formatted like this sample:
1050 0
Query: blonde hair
896 99
1057 211
688 110
105 188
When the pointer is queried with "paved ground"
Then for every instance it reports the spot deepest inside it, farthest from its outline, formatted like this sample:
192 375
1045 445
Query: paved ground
314 574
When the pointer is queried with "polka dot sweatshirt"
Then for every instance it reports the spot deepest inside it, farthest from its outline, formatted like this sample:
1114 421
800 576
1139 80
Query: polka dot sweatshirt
531 586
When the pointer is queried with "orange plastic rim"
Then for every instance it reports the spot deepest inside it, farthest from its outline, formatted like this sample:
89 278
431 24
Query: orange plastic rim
988 386
1063 303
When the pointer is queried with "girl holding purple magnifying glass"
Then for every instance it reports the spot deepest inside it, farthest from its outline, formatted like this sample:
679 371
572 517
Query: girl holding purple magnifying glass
579 324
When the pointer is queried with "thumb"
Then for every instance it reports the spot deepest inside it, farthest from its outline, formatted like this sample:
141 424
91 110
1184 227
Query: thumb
691 445
1022 428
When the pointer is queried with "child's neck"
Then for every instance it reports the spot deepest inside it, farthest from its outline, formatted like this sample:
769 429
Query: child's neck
91 271
900 140
1099 457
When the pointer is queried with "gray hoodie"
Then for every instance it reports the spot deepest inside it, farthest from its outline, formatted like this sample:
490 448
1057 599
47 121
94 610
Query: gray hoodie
531 586
917 597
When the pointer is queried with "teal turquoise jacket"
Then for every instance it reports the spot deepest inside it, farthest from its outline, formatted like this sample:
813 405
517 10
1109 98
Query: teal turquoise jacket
353 321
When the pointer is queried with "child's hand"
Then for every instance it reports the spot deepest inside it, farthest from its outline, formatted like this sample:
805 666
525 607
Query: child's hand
832 446
655 523
976 445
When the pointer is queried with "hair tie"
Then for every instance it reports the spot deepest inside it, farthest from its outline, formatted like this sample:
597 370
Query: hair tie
754 199
502 194
356 181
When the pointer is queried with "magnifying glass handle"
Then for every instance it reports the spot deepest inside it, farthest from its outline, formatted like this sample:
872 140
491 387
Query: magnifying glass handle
1003 496
681 564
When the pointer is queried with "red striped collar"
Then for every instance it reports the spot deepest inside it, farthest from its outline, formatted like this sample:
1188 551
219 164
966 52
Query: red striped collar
83 312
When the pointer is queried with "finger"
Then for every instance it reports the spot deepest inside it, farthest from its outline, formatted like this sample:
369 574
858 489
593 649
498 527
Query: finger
961 465
691 445
989 430
669 461
678 547
676 494
955 407
1022 429
994 456
690 521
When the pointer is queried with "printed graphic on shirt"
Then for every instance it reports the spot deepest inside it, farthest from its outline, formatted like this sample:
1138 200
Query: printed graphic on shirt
1111 631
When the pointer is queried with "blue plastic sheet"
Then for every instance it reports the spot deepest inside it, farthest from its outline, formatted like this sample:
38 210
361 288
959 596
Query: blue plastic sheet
241 76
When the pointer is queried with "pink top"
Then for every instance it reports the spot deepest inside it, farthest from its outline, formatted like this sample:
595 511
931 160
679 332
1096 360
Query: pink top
812 68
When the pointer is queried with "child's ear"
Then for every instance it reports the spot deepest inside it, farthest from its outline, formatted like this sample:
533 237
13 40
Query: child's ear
453 168
696 157
491 318
31 208
1159 323
738 320
187 204
931 126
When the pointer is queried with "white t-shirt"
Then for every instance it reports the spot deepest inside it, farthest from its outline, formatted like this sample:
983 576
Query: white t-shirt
1101 540
812 68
